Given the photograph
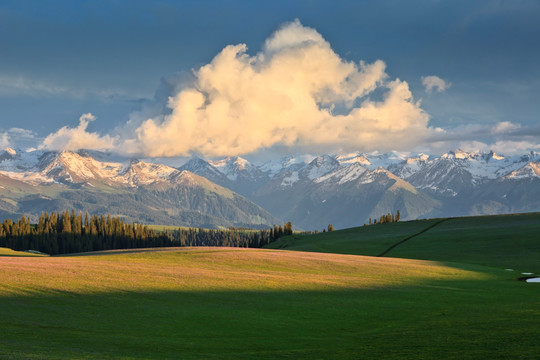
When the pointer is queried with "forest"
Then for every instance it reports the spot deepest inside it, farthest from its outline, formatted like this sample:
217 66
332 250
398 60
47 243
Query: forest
64 233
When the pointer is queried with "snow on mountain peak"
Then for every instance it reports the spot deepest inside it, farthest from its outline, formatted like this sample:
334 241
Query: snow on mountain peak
460 154
274 167
352 158
240 163
143 173
344 174
233 166
530 170
320 166
8 155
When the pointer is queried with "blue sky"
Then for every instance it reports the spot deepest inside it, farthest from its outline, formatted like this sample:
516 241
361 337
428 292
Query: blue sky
121 60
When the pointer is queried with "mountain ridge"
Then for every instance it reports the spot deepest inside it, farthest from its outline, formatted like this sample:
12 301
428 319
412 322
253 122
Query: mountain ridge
137 190
311 191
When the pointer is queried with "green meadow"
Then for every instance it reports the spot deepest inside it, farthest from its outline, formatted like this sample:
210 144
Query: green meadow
445 293
509 241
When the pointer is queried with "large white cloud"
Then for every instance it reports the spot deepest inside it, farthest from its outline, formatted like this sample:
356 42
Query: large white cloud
295 92
67 138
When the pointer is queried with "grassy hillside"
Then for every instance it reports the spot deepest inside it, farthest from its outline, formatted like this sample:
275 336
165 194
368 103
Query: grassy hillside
219 303
9 252
208 303
504 241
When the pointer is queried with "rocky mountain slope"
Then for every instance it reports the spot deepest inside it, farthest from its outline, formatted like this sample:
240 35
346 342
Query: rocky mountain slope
344 190
348 189
139 191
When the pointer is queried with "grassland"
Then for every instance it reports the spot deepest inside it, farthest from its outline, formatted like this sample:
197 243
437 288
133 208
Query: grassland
504 241
9 252
214 303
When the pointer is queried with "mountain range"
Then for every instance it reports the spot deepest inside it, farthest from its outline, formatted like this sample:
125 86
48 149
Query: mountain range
344 190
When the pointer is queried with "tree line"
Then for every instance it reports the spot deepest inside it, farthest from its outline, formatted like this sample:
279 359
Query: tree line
63 233
384 219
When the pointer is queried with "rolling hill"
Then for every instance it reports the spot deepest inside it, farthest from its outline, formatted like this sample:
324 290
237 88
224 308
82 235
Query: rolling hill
225 303
504 241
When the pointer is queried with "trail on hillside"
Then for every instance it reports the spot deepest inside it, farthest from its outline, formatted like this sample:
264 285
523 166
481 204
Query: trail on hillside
411 236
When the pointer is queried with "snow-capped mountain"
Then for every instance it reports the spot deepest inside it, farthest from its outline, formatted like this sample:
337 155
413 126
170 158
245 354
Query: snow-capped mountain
528 171
244 176
344 196
236 167
372 160
203 168
455 183
276 166
311 191
38 181
456 172
235 173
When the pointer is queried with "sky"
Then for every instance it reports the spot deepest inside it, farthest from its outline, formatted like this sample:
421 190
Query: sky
170 79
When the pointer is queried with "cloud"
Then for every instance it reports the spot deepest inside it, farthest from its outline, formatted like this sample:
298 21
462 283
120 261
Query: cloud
433 82
21 133
17 138
503 147
505 138
295 95
25 85
515 147
288 95
505 127
77 138
21 85
4 140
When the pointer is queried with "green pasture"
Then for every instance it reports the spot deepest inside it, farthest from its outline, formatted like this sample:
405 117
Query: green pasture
504 241
219 303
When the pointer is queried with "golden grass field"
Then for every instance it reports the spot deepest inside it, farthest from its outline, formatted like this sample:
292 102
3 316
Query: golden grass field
202 269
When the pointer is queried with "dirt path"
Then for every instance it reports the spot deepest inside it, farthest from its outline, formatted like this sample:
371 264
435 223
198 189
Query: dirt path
410 237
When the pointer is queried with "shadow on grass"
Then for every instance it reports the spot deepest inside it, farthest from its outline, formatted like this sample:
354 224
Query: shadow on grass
460 319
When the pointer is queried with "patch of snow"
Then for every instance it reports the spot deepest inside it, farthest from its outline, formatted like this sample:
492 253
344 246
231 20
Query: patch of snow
384 160
352 158
533 280
530 170
320 166
290 180
233 167
28 177
344 175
